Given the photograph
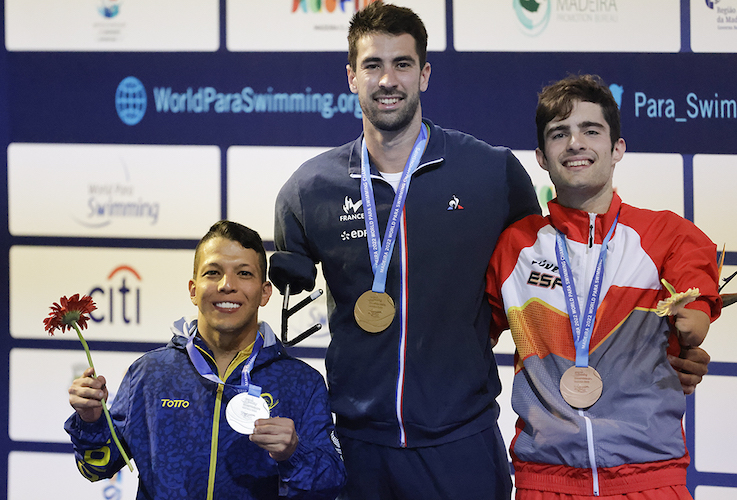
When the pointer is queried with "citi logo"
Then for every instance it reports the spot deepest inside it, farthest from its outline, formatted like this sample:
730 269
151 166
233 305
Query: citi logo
117 301
329 5
455 204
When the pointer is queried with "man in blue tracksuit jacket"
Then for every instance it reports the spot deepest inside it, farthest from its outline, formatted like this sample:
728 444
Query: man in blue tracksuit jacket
170 409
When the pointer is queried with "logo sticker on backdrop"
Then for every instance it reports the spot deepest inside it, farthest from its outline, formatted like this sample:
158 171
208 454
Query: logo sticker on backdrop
314 6
110 29
109 8
119 299
617 91
117 200
533 15
130 100
726 14
247 100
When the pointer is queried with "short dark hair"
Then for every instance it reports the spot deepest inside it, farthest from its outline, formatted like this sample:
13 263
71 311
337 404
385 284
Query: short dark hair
246 237
556 101
378 17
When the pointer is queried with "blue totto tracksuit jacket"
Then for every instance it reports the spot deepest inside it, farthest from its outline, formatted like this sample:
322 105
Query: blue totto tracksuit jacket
172 421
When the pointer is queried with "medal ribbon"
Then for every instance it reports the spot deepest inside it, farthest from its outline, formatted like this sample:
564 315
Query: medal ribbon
204 369
381 253
582 324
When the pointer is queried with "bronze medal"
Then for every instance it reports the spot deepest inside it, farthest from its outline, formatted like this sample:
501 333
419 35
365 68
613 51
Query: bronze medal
374 311
581 386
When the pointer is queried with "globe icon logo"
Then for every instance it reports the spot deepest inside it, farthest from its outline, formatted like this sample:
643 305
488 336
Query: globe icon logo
130 100
617 91
534 15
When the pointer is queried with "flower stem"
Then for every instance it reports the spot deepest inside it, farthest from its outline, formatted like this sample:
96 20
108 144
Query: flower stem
104 403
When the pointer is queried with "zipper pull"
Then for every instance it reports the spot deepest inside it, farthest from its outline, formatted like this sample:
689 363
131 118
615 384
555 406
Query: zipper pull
591 235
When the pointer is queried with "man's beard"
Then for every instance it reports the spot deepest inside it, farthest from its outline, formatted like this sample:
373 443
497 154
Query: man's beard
391 121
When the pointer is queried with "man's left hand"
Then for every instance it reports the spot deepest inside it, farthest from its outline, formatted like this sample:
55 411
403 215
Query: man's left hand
691 367
277 436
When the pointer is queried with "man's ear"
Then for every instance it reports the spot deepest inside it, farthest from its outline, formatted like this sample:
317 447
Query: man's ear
192 290
266 293
541 159
351 79
618 150
425 77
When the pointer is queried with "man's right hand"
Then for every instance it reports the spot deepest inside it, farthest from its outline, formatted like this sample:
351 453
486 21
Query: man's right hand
86 394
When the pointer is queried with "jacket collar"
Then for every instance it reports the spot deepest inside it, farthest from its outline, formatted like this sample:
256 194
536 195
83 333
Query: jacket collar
271 349
574 224
434 152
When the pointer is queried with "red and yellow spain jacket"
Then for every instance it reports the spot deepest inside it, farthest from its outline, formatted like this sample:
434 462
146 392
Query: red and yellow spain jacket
631 438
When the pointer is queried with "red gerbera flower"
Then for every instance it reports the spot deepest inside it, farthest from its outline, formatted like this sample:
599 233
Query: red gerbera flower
72 310
73 314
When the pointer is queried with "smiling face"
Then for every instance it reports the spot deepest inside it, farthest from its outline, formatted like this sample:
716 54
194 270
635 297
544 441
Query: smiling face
580 158
388 80
228 289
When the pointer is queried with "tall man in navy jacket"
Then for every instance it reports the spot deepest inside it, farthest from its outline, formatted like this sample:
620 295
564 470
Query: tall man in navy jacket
412 377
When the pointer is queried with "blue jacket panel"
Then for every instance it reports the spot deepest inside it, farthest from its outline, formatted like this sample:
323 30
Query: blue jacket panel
164 414
431 376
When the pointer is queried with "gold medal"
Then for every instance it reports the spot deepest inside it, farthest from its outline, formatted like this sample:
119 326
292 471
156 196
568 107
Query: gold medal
374 311
581 386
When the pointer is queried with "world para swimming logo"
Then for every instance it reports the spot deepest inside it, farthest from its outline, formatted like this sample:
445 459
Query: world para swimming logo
533 15
130 100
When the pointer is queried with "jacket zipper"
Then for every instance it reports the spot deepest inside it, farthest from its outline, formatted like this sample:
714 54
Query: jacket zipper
214 443
592 451
402 354
591 257
215 437
399 403
591 235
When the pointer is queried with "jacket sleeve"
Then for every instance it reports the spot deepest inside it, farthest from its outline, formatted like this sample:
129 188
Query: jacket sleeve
95 452
691 261
521 195
293 262
315 470
494 290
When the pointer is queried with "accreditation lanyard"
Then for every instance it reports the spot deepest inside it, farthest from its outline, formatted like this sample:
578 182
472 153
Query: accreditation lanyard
204 369
582 324
381 253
